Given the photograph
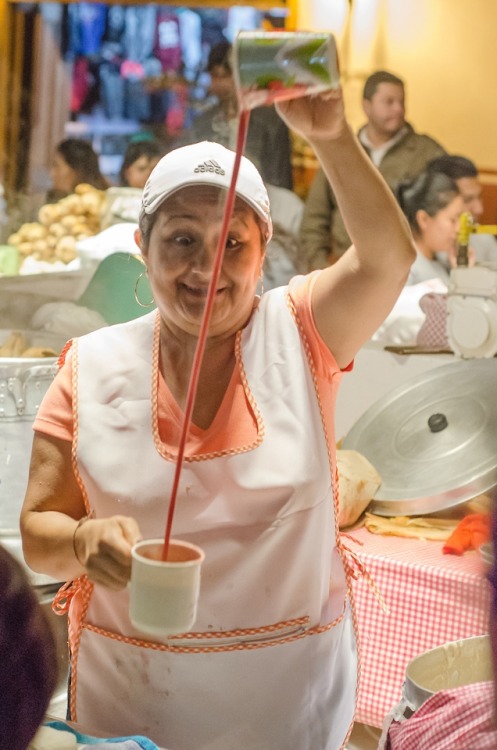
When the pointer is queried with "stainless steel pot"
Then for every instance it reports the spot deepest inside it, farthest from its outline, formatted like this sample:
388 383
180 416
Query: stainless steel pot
23 383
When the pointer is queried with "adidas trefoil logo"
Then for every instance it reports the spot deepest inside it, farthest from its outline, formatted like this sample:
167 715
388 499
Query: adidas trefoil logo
210 166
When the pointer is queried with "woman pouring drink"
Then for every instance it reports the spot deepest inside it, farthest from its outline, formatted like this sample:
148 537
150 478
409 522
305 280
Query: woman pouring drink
271 661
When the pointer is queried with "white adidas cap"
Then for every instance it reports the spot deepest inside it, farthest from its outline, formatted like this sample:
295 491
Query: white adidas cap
205 163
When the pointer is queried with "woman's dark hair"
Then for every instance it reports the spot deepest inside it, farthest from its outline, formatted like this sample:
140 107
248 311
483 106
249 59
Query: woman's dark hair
28 657
220 54
81 157
146 224
430 192
453 166
135 151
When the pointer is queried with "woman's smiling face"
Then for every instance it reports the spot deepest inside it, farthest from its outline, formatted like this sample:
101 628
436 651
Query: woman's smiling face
180 256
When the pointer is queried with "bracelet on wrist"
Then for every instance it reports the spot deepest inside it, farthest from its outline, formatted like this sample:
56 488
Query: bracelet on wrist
78 526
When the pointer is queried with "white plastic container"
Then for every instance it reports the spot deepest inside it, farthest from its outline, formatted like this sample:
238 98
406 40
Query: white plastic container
452 665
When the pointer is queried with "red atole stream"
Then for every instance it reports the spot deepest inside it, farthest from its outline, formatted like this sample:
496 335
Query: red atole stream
200 348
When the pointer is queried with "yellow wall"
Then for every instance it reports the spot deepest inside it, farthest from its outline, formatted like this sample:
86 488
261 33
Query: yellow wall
445 50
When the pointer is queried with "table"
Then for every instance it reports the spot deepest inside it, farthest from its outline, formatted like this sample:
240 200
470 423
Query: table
432 599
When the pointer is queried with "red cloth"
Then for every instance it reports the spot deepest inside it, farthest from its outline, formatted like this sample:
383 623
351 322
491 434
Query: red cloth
80 83
457 719
433 332
473 531
133 70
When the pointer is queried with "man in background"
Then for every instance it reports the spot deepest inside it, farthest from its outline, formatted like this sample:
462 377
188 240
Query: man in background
394 147
268 140
465 174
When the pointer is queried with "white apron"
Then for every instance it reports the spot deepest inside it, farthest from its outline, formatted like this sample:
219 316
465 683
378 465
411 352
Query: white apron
271 662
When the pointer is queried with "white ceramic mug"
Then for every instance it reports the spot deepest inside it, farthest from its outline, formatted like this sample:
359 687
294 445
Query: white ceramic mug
164 594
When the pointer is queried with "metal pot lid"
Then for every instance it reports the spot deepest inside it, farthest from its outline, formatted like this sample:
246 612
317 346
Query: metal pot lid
433 440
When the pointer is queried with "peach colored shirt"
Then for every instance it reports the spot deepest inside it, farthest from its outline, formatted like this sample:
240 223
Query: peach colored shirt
235 422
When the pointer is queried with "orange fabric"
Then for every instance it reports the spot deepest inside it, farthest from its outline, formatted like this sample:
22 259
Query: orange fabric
473 531
234 424
300 289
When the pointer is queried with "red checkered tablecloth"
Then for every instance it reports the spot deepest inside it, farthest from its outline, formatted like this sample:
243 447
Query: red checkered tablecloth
432 599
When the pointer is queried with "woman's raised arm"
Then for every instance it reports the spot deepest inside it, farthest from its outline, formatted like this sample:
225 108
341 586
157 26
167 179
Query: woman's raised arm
353 297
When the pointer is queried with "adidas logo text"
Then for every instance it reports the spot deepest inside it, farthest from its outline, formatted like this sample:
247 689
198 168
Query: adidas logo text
210 166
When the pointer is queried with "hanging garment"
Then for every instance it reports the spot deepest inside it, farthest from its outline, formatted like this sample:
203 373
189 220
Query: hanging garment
139 32
86 27
167 47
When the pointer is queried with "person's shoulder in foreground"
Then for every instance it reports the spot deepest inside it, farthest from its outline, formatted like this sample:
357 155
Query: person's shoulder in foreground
28 658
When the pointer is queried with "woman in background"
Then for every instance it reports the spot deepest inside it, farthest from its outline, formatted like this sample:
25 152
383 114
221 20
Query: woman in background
139 160
432 204
74 162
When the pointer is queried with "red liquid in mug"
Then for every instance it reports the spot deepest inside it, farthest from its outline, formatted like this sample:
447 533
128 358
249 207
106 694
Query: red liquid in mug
175 554
200 348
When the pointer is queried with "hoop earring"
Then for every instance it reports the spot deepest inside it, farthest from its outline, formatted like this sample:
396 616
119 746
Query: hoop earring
138 302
